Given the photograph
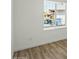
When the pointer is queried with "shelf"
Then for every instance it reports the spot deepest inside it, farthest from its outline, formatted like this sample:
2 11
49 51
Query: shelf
60 9
56 27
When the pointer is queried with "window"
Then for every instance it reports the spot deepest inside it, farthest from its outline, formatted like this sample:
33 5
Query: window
54 14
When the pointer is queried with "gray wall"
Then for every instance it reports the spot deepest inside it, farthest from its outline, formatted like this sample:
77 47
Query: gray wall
27 28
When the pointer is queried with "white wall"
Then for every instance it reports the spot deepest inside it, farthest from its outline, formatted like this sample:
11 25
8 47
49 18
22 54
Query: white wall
27 30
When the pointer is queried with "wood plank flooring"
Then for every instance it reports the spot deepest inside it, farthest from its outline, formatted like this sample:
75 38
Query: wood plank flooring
56 50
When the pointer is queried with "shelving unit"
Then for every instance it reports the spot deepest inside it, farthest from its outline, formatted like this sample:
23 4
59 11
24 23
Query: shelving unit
61 10
60 13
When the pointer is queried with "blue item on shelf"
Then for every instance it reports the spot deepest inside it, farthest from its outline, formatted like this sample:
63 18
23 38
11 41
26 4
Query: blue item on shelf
58 21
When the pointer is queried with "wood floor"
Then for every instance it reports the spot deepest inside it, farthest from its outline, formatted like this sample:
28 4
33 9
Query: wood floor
56 50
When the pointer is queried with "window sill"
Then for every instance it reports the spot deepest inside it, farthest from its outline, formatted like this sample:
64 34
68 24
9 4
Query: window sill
57 27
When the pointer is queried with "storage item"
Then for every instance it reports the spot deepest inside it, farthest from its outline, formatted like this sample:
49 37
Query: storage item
58 21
